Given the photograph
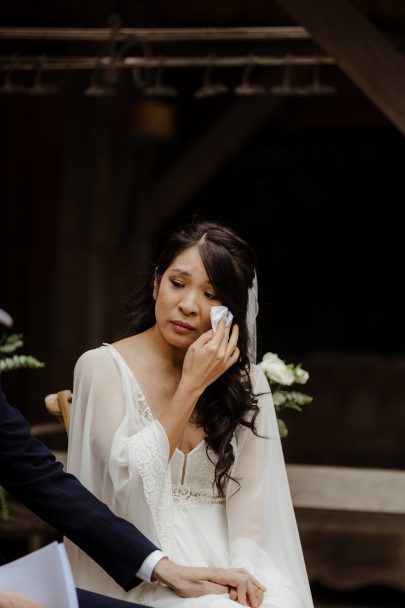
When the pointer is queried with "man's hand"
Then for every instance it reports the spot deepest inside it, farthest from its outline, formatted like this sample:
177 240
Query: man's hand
16 600
187 581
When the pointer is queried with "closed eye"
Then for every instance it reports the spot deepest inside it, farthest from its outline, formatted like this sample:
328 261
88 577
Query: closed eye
176 284
210 296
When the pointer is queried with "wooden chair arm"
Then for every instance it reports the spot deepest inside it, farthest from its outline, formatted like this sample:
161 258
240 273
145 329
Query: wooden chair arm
59 405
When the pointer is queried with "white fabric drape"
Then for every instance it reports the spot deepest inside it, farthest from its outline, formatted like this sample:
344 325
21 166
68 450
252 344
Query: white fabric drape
120 452
263 534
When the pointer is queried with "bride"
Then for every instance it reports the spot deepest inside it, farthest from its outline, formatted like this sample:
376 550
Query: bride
174 428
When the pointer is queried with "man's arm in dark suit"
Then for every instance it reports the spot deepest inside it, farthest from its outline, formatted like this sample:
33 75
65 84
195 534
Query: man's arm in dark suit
28 470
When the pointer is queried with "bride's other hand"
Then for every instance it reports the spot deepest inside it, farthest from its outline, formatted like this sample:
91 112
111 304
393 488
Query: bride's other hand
243 587
249 591
233 595
210 356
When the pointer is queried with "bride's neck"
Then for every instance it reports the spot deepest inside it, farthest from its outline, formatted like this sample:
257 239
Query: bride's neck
168 355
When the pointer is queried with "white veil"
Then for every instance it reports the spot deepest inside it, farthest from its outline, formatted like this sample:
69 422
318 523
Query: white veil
262 528
252 310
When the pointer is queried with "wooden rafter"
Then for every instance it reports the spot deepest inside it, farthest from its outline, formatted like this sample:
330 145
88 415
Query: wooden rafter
360 49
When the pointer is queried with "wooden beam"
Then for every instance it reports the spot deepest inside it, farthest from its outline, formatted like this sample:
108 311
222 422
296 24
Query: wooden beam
361 51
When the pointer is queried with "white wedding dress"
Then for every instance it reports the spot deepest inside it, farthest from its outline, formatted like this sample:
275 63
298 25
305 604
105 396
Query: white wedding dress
120 452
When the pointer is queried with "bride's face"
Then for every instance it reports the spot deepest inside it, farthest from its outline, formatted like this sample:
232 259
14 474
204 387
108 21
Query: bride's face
184 297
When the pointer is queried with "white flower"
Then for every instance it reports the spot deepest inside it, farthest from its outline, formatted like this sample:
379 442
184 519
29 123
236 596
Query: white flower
301 376
276 370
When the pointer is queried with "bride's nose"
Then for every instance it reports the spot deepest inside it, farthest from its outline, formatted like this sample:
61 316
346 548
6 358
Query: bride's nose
188 305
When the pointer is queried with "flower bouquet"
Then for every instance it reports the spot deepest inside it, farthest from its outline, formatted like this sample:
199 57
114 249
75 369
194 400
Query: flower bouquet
281 374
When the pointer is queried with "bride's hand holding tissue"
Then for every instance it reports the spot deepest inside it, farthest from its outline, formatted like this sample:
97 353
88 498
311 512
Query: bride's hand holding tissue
211 355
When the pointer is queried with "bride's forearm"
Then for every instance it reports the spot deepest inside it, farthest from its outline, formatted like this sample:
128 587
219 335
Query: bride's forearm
178 412
205 361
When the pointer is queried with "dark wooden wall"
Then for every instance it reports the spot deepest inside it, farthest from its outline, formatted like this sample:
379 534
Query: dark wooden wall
316 184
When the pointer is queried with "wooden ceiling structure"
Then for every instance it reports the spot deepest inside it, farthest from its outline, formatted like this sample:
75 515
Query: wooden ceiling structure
362 52
356 34
366 40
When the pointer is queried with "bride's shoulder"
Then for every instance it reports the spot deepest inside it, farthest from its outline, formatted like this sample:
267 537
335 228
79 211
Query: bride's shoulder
129 344
96 358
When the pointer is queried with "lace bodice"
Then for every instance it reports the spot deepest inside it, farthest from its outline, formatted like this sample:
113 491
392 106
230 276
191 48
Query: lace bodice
193 476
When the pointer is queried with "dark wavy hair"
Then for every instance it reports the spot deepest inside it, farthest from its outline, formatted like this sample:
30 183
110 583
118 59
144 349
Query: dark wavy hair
230 265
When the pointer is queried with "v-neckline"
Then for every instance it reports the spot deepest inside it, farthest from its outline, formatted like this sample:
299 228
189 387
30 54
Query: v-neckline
185 454
131 373
142 393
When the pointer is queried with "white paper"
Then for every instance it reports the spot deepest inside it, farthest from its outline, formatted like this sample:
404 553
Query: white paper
44 576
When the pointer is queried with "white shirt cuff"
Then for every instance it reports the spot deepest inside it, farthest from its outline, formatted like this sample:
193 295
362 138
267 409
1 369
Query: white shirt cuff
147 567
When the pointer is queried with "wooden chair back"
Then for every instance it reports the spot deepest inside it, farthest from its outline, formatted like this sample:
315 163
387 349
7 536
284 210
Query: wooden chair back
59 405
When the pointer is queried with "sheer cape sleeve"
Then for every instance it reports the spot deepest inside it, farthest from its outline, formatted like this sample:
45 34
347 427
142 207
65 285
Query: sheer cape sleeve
114 448
262 529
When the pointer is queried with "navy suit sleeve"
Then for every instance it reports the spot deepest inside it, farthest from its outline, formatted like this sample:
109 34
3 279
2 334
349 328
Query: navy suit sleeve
28 470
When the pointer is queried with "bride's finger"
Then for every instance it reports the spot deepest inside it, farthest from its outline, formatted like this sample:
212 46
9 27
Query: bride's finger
251 595
233 340
233 358
258 584
254 580
202 340
242 594
259 597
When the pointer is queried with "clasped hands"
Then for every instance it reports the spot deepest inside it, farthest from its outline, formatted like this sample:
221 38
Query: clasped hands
188 581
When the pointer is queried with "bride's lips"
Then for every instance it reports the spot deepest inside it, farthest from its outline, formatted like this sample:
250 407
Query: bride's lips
182 327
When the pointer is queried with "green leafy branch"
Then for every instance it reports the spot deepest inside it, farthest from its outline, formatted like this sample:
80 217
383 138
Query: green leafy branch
10 361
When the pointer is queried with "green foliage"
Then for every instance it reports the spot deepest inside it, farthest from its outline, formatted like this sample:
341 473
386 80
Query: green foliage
10 361
18 362
9 344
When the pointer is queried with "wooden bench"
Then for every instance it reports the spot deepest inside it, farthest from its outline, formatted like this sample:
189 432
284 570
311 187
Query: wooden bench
352 524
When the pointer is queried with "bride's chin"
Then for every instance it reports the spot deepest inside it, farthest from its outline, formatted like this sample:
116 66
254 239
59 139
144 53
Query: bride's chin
180 342
176 341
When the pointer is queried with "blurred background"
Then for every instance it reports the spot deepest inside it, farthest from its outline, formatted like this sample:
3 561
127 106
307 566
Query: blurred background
282 119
